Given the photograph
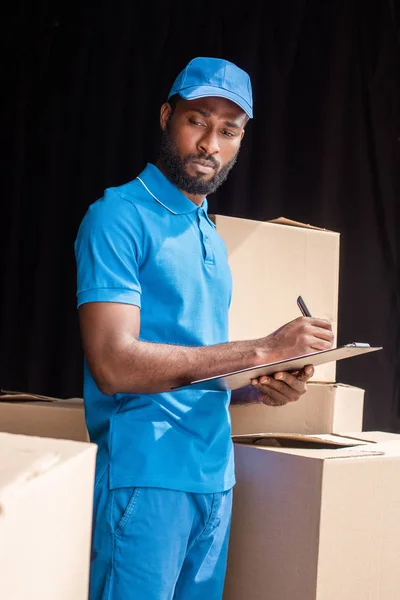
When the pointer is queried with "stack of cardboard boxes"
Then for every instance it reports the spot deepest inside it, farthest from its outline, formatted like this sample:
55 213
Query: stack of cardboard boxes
316 512
46 498
272 264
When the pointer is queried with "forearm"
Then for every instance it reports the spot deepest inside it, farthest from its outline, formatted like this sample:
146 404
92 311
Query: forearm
142 367
121 363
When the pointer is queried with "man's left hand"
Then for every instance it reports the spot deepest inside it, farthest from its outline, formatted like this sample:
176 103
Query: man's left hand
282 387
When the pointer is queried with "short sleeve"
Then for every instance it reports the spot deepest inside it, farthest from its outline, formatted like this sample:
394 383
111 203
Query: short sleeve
108 251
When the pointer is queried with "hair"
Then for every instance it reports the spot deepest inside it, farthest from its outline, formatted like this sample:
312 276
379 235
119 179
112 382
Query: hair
173 101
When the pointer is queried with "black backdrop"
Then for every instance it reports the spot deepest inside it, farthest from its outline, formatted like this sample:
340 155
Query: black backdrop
82 86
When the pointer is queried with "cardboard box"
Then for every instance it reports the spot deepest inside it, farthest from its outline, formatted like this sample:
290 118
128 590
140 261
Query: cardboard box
315 523
272 264
46 502
31 414
325 408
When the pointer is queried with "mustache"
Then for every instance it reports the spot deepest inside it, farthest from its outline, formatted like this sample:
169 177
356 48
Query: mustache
205 157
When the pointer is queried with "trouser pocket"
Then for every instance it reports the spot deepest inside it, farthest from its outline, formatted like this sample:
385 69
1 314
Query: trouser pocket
124 505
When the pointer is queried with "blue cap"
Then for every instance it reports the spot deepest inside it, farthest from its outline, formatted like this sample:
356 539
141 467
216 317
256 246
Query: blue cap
204 77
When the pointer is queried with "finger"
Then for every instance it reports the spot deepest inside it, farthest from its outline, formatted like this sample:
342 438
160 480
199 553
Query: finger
270 386
317 343
297 372
276 398
306 373
284 378
322 323
268 397
323 334
263 395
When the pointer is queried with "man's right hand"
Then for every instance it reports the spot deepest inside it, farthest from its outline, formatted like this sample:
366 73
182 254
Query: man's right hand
301 336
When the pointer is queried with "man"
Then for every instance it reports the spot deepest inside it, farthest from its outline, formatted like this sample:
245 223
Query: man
154 289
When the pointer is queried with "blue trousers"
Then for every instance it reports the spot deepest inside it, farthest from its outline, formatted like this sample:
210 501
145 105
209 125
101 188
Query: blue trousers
158 544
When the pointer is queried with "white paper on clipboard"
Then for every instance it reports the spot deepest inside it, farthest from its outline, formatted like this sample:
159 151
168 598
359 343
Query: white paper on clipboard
242 378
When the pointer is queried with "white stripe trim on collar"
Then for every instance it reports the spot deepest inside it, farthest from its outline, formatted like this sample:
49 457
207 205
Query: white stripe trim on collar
155 197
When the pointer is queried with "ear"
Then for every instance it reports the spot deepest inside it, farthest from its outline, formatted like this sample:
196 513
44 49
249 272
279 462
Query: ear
165 113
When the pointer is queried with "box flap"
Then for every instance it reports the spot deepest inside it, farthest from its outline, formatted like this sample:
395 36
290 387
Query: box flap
374 448
297 440
316 450
389 448
335 384
278 221
374 436
329 446
285 221
7 396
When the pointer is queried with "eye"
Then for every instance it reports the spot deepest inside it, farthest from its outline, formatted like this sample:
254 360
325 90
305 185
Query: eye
228 133
197 123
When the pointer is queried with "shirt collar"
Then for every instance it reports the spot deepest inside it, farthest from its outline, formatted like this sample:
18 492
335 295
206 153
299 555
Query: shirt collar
166 193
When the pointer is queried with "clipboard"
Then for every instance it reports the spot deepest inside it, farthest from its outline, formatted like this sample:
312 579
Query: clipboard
242 378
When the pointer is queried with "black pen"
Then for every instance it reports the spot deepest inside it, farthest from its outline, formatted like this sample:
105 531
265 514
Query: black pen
302 306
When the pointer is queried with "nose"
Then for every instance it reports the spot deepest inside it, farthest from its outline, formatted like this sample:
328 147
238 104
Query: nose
208 143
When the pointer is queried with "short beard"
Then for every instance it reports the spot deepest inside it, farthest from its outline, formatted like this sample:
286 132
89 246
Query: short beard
174 167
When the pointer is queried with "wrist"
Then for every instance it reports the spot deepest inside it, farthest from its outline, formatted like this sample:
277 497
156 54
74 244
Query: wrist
268 350
263 352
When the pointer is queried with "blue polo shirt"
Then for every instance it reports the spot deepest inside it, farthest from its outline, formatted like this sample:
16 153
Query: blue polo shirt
145 243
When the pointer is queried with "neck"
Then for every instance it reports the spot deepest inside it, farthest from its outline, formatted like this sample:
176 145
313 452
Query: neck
195 198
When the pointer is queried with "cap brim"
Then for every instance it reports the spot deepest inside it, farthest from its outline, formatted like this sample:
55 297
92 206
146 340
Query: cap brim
206 91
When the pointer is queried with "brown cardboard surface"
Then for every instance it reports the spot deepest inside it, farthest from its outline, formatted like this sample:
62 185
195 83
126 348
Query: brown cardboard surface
272 264
46 501
373 436
316 524
285 221
61 419
324 408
